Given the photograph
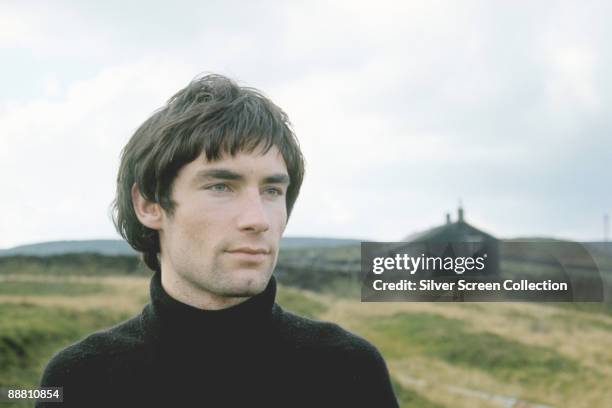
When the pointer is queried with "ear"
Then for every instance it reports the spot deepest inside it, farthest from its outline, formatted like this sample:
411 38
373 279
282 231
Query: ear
150 214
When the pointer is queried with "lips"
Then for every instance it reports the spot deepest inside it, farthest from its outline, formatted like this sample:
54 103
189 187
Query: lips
250 251
250 255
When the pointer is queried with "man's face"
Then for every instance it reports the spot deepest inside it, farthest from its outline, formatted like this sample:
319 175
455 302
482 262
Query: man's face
222 239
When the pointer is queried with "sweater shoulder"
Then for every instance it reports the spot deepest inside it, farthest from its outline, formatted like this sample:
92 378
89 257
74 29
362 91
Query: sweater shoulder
353 362
310 333
91 353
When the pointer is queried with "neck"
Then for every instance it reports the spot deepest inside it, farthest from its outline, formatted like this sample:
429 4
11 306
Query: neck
188 293
178 322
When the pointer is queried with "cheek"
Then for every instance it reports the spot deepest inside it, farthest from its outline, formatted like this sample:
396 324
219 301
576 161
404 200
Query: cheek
279 218
193 226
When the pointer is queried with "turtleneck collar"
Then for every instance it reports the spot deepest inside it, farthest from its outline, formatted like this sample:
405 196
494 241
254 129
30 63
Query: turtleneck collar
176 321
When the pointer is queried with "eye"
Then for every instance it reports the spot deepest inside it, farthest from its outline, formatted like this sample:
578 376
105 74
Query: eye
219 187
274 191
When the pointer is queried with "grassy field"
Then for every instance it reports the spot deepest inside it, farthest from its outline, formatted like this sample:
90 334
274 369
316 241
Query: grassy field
439 354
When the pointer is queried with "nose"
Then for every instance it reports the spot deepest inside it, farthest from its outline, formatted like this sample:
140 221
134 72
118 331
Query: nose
253 216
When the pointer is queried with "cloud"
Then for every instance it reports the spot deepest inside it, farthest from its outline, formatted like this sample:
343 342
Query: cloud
63 152
401 108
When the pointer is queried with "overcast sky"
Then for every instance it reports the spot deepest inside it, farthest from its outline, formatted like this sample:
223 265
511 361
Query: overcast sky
402 108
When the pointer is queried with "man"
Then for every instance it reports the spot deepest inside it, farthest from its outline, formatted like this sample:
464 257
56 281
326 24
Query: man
205 188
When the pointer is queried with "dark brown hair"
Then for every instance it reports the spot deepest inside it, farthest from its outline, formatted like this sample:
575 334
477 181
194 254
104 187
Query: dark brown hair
212 115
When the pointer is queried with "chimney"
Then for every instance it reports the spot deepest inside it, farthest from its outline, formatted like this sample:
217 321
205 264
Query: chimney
460 214
448 219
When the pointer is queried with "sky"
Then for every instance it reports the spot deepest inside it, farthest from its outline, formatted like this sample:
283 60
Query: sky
403 109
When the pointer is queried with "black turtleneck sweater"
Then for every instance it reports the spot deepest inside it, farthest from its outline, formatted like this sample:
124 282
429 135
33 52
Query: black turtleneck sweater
254 354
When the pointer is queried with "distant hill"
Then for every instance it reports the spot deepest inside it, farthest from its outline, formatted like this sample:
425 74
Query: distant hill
120 247
100 246
306 242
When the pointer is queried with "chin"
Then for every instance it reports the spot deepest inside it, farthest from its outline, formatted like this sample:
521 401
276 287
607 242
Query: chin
248 283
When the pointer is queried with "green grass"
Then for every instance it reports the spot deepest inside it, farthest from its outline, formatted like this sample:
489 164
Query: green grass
407 397
17 288
343 288
406 334
573 324
30 334
597 324
298 303
587 307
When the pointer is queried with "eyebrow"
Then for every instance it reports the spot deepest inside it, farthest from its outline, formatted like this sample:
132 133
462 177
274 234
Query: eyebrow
224 174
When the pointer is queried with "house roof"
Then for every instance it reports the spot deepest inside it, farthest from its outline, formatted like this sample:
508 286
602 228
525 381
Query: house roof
459 231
